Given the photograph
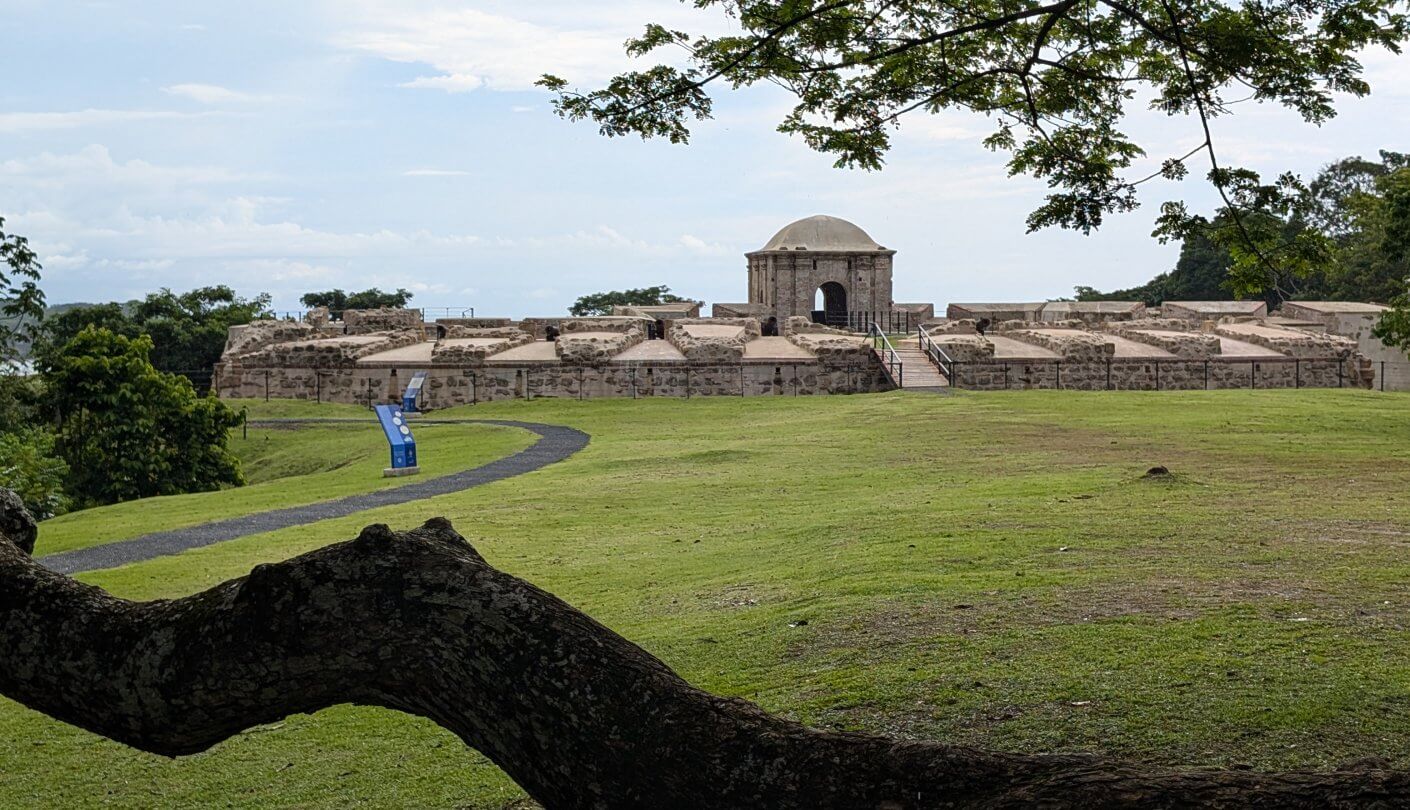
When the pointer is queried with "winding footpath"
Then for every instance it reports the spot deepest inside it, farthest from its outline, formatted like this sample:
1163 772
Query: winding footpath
555 444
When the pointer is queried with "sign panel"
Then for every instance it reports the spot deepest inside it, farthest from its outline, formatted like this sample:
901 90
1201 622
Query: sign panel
413 392
398 436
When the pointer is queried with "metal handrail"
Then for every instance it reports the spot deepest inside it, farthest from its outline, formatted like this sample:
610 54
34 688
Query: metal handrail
894 367
936 354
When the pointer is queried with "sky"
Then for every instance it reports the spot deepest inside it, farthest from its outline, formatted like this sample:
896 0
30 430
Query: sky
286 147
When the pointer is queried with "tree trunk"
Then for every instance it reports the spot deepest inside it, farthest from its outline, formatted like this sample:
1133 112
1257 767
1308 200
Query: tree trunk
576 714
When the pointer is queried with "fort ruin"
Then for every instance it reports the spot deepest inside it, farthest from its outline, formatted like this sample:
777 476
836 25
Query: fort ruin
780 343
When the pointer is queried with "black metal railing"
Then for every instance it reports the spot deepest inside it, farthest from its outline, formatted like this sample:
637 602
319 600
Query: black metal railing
936 354
882 346
897 322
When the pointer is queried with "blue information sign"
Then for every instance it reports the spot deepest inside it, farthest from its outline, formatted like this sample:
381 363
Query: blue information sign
413 392
398 436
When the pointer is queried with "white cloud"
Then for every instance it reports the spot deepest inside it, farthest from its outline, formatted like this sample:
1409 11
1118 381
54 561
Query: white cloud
41 121
213 94
94 164
508 47
452 83
435 173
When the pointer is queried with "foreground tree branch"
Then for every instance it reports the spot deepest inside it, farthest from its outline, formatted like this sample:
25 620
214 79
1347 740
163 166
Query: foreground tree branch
576 714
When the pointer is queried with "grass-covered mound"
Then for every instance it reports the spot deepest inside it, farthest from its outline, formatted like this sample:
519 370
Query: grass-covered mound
995 570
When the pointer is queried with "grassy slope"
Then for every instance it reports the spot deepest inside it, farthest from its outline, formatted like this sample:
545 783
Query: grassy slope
987 569
290 467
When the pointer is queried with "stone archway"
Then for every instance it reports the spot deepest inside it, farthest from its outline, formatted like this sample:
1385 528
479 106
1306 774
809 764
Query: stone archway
834 303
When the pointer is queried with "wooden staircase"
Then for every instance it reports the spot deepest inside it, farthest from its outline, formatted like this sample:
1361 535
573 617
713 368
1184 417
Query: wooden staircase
918 372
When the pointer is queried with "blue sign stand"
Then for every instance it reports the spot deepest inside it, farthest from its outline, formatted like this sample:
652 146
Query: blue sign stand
402 443
413 392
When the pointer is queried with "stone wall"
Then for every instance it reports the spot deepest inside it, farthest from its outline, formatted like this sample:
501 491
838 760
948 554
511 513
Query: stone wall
605 323
713 349
834 350
473 355
595 349
364 321
250 337
324 353
1162 375
1071 345
1294 343
799 325
1183 344
448 387
966 348
476 323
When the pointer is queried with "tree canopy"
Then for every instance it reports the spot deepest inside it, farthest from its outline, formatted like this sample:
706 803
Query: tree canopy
602 303
1354 217
1057 79
188 330
129 431
21 301
337 301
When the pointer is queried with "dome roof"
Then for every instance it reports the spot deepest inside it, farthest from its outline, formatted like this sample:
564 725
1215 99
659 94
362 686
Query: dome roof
823 233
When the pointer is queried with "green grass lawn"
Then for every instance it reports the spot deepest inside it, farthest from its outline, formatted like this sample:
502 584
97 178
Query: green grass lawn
290 466
986 569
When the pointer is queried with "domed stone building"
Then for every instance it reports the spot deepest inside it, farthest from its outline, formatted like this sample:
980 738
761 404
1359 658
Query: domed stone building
821 257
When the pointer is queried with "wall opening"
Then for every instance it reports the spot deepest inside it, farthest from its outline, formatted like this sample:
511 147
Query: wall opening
830 304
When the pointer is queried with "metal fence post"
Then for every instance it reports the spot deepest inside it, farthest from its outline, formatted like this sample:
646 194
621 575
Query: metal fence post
1157 375
1297 373
1108 374
1383 376
266 384
1253 374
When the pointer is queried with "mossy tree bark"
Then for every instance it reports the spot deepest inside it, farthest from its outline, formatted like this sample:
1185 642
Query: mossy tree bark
576 714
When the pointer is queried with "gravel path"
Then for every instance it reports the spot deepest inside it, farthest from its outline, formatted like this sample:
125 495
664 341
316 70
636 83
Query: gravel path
555 444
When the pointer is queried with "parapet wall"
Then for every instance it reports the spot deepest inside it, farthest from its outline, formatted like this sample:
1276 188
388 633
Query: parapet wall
327 353
1072 346
1172 336
596 348
1292 343
1160 375
445 388
364 321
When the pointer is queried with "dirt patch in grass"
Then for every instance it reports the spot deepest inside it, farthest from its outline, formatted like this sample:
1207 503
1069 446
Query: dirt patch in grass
893 626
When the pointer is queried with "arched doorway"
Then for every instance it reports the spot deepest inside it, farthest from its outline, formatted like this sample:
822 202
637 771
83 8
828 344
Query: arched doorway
830 304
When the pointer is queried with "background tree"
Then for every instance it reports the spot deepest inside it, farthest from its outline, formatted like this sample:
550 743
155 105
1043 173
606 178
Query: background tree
1350 212
21 301
1056 78
129 431
602 303
339 301
188 330
29 467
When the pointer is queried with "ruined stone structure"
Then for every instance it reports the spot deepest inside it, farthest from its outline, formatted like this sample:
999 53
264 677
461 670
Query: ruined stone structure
818 254
370 356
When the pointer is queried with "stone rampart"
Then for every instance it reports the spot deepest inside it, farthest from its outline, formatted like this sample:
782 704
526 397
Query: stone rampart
1160 375
450 353
699 348
1181 343
598 347
1071 345
449 387
366 321
834 350
334 352
1290 342
965 348
251 337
